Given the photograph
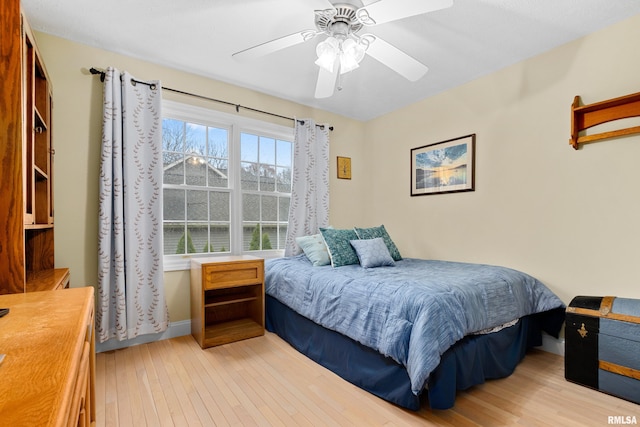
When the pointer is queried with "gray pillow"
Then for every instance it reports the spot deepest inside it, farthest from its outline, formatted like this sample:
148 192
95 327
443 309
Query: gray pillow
373 232
372 252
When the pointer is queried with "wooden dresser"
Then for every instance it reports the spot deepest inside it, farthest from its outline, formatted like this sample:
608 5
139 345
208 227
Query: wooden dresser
48 373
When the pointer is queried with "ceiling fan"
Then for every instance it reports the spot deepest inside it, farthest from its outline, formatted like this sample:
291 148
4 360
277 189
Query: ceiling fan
344 47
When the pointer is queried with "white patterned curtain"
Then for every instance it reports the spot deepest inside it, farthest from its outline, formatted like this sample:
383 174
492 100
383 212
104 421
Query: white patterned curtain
130 271
309 208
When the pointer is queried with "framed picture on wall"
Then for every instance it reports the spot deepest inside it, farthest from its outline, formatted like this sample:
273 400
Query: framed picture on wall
344 167
444 167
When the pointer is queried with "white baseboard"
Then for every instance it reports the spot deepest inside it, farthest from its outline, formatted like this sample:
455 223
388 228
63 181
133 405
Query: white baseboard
175 329
552 345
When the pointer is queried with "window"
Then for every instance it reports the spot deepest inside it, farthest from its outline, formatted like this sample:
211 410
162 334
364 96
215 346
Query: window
226 183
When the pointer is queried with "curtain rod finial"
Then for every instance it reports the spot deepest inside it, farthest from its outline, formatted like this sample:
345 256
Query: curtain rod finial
94 71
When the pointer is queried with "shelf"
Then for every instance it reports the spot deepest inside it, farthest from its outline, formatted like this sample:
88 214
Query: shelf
36 226
48 280
586 116
226 301
40 125
40 174
233 330
231 295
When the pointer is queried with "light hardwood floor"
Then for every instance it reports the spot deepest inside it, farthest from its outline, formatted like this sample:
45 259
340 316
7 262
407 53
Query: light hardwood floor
264 382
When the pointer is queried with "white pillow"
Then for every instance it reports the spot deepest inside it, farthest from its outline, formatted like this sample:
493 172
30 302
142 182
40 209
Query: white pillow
314 248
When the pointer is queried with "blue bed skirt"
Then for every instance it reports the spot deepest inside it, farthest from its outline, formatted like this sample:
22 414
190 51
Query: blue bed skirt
470 361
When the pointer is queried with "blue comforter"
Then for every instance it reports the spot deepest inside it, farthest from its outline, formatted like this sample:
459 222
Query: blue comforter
412 312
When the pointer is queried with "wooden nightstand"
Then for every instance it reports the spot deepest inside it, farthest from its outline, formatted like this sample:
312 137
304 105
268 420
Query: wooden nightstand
227 299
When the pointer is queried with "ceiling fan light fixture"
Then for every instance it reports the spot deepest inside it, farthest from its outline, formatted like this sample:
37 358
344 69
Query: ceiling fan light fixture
347 51
327 52
350 56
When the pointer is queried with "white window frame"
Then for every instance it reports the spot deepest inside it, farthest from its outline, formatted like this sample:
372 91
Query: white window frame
235 125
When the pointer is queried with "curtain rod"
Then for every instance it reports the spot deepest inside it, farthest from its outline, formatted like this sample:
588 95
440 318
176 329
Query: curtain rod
96 71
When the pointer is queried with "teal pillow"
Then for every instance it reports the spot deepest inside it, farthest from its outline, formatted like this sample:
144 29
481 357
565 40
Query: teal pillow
372 252
315 249
338 244
373 232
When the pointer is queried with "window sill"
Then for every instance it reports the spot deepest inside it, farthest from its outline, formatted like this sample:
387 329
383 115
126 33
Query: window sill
183 262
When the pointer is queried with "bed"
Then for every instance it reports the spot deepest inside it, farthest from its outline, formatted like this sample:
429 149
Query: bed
408 328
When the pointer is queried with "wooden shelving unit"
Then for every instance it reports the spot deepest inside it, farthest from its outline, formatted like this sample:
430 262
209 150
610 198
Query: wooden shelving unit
586 116
227 299
26 155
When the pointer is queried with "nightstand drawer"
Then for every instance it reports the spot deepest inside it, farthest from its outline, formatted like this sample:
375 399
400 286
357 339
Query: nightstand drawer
224 275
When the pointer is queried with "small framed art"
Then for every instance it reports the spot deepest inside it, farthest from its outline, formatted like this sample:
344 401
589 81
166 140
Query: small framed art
444 167
344 167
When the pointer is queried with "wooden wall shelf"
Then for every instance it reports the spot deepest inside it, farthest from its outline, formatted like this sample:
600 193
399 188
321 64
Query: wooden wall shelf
585 116
26 157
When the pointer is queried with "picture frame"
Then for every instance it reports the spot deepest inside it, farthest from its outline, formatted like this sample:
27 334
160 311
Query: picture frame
444 167
344 167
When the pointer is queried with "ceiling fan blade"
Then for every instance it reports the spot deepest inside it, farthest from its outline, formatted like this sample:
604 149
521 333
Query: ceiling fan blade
397 60
327 81
275 45
391 10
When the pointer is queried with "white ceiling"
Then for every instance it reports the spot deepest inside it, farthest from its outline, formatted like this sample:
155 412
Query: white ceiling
471 39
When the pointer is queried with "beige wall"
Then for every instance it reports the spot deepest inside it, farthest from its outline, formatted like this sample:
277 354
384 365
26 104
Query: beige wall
570 218
77 135
567 217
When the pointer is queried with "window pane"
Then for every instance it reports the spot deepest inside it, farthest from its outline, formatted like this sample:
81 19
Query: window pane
173 205
172 135
218 143
248 148
218 206
197 205
173 164
251 237
195 169
282 236
172 232
267 151
269 237
249 176
269 208
196 141
283 208
199 237
250 207
218 173
284 153
283 180
267 178
219 240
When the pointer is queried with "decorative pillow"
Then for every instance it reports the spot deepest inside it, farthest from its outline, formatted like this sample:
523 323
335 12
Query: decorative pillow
373 232
340 250
315 249
372 252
